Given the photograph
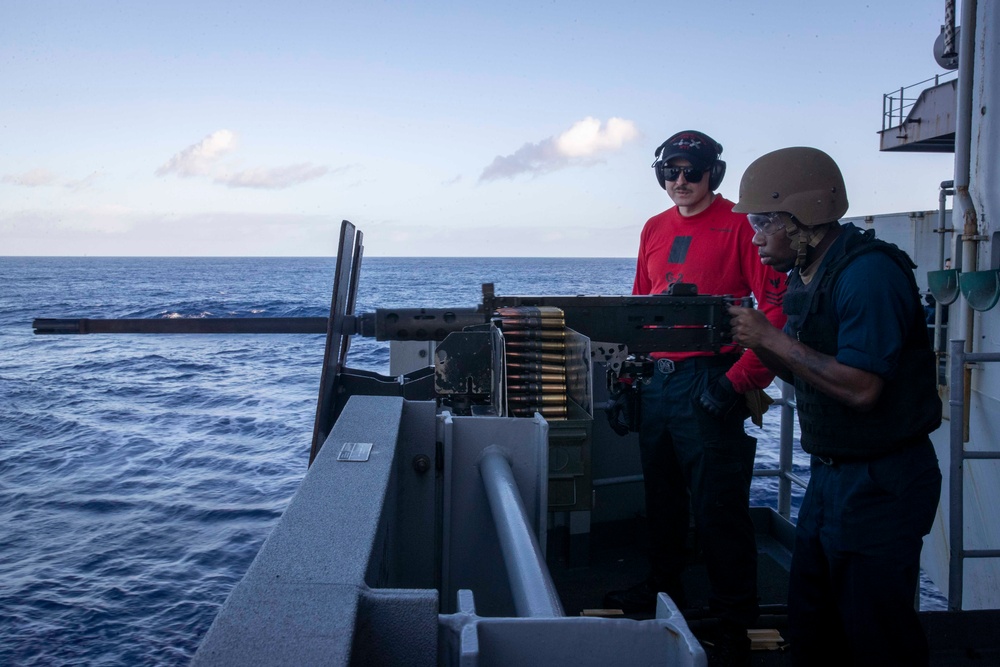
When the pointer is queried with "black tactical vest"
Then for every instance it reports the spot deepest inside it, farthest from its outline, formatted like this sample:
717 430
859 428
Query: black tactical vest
909 406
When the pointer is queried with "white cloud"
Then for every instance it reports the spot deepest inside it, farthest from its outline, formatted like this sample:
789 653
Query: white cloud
202 158
275 178
31 179
207 158
582 143
529 158
587 137
37 178
82 183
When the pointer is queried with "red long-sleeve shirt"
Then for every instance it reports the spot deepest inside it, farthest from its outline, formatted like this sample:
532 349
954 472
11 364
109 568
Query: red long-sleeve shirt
713 250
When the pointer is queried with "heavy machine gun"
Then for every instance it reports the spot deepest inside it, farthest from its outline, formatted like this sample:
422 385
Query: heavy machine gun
508 356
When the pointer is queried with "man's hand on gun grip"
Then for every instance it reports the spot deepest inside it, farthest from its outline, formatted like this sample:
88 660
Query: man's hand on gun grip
719 398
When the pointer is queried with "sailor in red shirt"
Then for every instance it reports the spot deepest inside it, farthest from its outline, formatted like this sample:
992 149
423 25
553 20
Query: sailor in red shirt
695 451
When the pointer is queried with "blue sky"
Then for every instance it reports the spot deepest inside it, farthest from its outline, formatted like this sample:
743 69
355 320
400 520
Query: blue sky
439 129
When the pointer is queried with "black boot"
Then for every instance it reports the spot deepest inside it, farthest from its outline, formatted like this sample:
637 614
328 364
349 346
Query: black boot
641 598
730 647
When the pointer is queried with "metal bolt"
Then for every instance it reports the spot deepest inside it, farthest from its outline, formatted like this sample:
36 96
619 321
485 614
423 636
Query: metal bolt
421 463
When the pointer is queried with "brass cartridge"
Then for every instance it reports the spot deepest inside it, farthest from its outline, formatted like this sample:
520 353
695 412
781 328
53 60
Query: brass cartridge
538 399
537 357
537 388
535 345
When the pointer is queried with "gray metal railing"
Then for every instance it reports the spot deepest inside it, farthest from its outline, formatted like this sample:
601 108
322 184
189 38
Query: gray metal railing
956 473
897 103
786 443
531 585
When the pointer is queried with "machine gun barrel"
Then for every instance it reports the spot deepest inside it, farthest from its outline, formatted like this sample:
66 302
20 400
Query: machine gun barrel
643 323
182 325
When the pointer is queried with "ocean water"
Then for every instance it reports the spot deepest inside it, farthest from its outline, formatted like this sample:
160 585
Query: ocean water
139 475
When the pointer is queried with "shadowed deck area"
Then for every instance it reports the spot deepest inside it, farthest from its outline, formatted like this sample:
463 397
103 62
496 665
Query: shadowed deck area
617 560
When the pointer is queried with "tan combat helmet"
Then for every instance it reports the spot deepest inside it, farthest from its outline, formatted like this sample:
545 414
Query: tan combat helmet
803 182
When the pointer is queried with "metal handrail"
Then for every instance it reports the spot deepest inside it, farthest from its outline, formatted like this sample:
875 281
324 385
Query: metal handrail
956 479
786 442
786 439
896 105
531 585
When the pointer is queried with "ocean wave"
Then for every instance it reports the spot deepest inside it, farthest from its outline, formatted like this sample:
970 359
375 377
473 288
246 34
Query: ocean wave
203 309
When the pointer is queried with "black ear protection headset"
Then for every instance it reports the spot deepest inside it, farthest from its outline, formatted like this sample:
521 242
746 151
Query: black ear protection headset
715 175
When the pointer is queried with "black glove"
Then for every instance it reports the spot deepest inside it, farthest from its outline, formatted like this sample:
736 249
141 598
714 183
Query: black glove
719 398
622 410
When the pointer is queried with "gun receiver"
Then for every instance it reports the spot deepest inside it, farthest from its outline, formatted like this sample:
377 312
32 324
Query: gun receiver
642 323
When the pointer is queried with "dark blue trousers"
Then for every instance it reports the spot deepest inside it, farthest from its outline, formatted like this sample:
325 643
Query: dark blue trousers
856 564
696 463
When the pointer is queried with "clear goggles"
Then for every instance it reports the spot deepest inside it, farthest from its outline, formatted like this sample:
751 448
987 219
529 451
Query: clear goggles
767 224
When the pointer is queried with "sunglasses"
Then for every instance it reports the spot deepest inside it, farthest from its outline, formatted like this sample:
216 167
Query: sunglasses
767 224
691 175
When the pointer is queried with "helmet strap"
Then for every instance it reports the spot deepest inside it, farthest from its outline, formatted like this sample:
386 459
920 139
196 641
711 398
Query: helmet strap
815 234
804 238
802 252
